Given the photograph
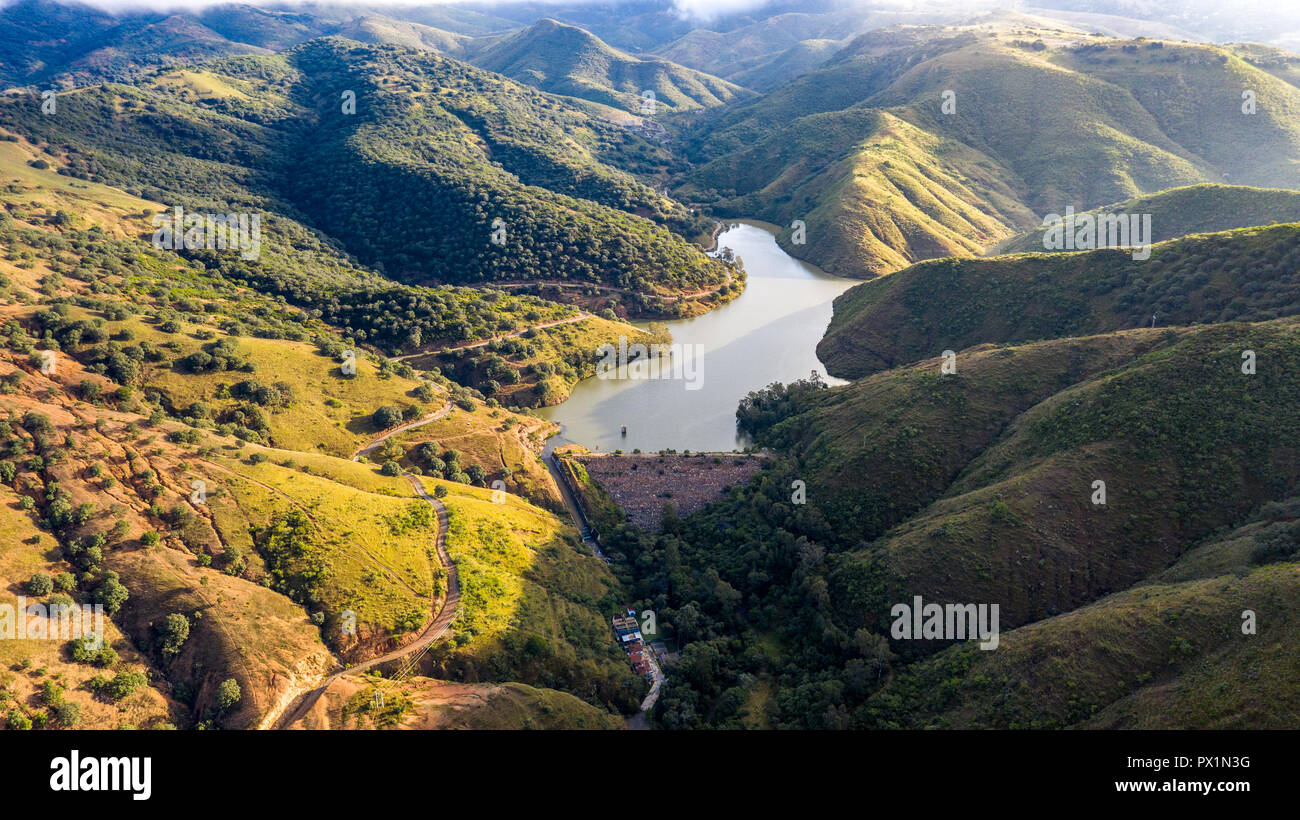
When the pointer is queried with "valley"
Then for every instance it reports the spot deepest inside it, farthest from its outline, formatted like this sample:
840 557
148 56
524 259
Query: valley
767 334
571 336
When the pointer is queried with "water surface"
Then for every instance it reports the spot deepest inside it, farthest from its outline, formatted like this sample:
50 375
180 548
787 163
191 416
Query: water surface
769 333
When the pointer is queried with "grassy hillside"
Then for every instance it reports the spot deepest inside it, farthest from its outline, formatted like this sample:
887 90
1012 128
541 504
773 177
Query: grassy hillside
1193 209
141 453
874 192
374 28
533 603
950 304
758 45
879 450
1181 424
798 59
567 60
1138 125
431 130
29 666
288 394
425 704
1125 662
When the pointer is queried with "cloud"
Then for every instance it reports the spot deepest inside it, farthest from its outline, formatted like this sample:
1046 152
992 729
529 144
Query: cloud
700 11
707 10
689 9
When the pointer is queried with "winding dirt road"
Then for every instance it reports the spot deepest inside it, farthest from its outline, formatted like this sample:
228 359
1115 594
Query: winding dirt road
436 629
581 317
374 445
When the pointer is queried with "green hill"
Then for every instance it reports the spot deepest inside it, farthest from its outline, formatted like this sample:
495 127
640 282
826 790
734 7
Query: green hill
979 487
171 377
567 60
875 192
881 449
764 52
949 304
1136 124
271 139
1193 209
1184 441
479 148
798 59
374 28
1122 663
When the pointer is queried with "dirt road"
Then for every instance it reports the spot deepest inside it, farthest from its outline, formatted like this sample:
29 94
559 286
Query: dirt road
436 629
581 317
374 445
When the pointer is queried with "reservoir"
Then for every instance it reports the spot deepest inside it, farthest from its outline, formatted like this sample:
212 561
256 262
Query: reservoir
767 334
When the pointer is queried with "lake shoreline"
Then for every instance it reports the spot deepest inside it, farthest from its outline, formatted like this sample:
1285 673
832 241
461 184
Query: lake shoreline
768 333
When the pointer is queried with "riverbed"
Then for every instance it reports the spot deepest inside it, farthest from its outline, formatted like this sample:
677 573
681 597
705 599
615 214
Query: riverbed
767 334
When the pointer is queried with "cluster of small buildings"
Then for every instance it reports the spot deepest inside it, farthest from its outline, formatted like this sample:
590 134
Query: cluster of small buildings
628 632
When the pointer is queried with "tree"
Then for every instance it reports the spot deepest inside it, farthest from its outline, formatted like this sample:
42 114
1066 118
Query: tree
671 522
112 594
123 684
68 714
40 584
173 632
687 621
391 468
228 694
387 416
51 693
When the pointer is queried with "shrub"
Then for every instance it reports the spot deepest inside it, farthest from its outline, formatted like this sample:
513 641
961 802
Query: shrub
112 594
122 685
228 694
68 714
51 693
172 634
387 416
17 720
40 584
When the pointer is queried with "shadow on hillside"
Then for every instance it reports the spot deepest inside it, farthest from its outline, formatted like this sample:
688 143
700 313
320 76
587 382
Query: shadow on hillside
559 635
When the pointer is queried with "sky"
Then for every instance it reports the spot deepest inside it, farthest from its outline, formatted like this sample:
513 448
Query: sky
702 10
1276 21
692 8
